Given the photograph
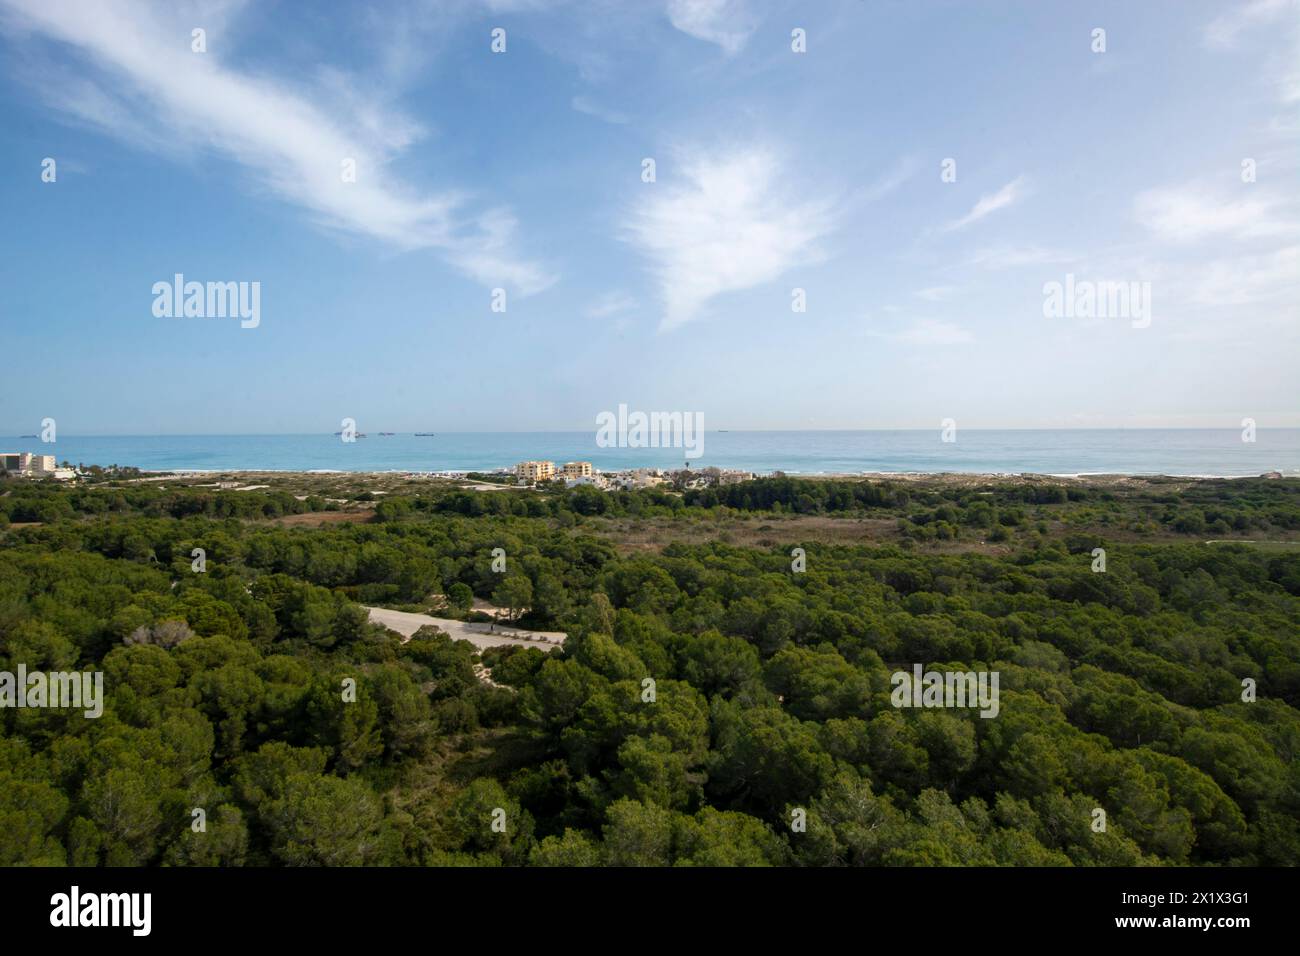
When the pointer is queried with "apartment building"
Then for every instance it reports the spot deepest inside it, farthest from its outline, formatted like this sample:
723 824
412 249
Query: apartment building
535 470
35 466
731 477
26 463
577 469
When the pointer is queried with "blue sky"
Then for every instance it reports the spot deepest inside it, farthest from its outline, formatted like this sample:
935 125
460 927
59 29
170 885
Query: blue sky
522 170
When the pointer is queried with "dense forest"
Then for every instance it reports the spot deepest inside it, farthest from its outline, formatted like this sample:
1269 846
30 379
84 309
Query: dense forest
715 703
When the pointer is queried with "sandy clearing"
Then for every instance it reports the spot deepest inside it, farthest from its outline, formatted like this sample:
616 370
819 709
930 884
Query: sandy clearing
314 518
480 635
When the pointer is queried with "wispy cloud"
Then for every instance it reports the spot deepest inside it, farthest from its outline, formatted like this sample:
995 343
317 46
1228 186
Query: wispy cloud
1190 212
1008 194
1014 257
584 104
721 223
292 140
935 293
902 171
1224 33
1247 279
1224 29
728 23
610 304
1220 281
927 332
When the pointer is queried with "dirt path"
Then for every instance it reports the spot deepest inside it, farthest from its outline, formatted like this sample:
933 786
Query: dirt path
480 635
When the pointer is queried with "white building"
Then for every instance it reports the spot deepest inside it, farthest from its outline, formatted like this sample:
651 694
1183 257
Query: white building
33 466
639 478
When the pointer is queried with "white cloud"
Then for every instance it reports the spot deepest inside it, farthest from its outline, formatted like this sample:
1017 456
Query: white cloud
935 293
1008 194
1188 213
1224 29
610 304
722 223
728 23
293 141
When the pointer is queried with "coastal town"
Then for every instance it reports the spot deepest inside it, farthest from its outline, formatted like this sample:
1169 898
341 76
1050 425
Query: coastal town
576 473
533 473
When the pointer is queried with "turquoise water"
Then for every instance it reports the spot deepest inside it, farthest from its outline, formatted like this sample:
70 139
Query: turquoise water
1058 452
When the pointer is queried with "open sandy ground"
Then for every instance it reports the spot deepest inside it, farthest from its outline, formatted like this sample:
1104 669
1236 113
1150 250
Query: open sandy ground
480 635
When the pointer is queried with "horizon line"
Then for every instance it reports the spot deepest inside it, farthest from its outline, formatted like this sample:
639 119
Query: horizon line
575 431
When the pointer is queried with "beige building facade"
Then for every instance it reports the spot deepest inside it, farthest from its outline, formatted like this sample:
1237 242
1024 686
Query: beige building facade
25 463
535 470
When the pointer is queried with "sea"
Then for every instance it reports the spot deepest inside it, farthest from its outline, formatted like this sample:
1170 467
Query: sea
1181 452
